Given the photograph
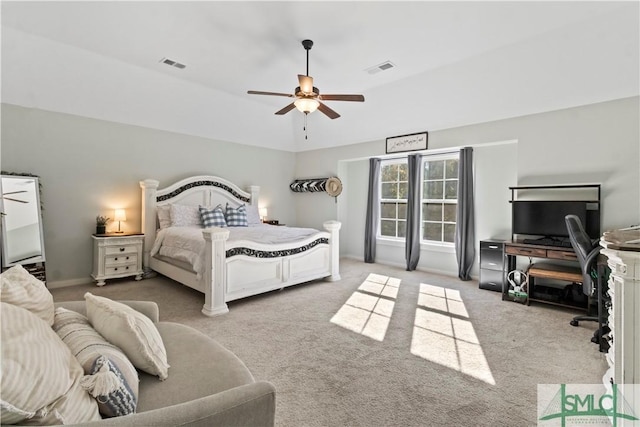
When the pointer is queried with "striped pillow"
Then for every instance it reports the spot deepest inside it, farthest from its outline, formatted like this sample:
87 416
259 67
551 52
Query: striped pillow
40 377
130 330
110 376
236 217
212 217
24 290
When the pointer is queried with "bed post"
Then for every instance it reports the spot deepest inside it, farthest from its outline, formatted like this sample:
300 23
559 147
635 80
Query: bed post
255 194
149 189
214 276
333 227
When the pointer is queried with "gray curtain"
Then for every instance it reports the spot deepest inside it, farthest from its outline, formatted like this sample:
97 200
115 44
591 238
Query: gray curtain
465 224
412 240
373 211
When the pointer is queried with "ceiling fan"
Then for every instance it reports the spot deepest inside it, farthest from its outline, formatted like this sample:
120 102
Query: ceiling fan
307 96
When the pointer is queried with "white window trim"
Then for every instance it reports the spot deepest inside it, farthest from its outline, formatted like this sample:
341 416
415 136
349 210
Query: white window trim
436 245
385 162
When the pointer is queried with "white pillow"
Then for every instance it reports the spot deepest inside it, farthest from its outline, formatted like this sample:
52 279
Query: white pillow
185 216
164 216
253 215
132 331
40 376
115 386
24 290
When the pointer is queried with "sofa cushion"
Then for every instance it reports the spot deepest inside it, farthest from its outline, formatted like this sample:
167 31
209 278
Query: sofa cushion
189 351
130 330
110 376
24 290
40 377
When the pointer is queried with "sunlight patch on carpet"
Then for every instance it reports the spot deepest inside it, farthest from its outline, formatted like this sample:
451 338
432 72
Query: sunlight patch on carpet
443 334
368 310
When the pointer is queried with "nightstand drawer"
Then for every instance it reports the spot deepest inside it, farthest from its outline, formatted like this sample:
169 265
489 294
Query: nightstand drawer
121 260
120 249
121 269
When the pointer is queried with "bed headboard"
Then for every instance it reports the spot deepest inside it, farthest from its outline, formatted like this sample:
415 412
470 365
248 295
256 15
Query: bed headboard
203 190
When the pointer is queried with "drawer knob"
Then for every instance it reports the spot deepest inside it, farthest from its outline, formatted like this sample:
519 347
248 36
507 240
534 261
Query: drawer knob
115 269
115 259
126 268
127 258
121 249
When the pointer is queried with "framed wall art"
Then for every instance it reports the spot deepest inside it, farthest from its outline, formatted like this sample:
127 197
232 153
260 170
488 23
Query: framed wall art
411 142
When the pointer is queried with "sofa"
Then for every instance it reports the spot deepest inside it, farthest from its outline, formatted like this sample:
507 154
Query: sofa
100 362
207 384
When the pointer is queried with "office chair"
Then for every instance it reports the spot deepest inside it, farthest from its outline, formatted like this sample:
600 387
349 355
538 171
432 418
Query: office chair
587 253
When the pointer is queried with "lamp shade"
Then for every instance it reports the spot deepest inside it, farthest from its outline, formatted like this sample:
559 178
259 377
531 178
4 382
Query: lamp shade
120 215
262 212
306 105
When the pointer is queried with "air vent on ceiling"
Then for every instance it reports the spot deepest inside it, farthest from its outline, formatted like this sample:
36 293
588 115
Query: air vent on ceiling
172 63
380 67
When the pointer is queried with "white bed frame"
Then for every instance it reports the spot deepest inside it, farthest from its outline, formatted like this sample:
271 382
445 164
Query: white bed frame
236 269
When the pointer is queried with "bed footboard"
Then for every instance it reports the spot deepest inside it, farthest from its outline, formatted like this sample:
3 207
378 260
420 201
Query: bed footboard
228 276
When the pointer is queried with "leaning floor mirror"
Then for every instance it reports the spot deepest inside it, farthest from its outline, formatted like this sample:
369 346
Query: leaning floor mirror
22 237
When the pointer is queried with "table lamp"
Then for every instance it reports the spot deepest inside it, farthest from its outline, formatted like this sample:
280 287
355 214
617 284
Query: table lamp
119 216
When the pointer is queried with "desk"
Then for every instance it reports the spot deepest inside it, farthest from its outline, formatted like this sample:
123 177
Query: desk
515 248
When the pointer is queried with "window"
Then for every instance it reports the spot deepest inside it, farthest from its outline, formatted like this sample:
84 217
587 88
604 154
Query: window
439 198
394 188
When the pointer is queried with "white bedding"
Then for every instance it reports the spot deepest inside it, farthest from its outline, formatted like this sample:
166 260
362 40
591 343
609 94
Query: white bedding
186 244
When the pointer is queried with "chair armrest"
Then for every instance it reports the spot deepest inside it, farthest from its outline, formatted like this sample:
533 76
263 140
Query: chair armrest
247 405
148 308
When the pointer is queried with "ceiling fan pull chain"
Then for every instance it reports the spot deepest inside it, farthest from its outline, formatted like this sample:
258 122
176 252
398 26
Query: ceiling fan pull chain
304 127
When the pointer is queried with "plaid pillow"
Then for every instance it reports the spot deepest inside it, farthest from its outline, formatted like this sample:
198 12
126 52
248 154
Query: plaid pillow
212 217
236 217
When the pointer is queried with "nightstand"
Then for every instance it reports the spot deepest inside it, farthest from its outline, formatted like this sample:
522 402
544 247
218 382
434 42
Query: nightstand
117 255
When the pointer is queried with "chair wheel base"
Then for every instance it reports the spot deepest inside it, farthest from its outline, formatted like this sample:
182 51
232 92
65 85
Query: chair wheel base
574 323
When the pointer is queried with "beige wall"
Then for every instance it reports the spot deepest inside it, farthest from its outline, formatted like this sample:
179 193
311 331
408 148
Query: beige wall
597 143
89 167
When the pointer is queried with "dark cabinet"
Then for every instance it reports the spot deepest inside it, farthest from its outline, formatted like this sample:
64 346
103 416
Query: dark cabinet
492 265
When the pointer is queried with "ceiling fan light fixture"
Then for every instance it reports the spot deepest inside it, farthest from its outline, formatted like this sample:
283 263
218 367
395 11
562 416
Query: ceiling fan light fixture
306 105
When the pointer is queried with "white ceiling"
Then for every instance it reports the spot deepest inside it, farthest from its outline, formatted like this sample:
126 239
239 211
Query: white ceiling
456 63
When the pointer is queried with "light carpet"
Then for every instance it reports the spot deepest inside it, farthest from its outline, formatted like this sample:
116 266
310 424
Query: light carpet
387 347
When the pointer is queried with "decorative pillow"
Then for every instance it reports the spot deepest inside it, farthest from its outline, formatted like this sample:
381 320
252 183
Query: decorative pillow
185 216
253 215
213 217
110 376
164 216
22 289
40 377
130 330
236 217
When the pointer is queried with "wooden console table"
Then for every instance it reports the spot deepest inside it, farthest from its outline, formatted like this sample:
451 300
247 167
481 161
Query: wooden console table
564 272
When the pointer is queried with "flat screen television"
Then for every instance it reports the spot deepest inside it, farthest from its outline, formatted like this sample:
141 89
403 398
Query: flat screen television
546 218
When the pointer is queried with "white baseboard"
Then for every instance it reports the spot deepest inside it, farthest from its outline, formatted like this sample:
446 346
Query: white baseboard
71 282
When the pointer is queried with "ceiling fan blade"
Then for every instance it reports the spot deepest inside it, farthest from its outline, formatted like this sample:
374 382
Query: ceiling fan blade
328 111
286 109
15 200
15 192
258 92
356 98
306 83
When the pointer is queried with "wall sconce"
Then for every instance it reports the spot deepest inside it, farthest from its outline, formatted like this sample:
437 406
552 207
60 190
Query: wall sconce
263 214
119 215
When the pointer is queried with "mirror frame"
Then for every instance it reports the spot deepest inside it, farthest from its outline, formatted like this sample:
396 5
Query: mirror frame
35 259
